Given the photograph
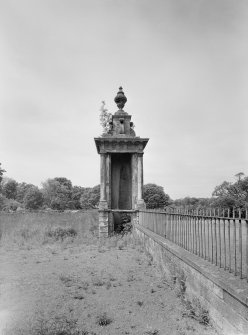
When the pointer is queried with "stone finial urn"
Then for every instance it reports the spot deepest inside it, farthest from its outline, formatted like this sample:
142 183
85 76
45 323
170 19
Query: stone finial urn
120 99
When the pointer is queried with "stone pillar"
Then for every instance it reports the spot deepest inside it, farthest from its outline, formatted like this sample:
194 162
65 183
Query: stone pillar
103 204
134 162
103 200
108 179
135 217
108 193
140 200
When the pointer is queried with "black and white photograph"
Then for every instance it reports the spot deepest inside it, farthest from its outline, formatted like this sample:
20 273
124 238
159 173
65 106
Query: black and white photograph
123 167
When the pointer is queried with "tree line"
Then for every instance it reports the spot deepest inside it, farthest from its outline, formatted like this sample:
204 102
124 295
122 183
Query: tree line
59 194
56 193
225 195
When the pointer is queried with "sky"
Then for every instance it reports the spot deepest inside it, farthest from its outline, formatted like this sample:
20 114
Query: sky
183 65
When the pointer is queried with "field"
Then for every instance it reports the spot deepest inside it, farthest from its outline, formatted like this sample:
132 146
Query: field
57 278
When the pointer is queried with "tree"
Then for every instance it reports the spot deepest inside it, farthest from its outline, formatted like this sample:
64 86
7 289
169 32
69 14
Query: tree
57 193
33 198
1 173
22 189
232 194
155 197
105 118
9 188
90 198
77 192
239 175
64 182
222 189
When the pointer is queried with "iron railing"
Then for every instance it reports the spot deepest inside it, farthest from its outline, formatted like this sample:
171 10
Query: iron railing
218 236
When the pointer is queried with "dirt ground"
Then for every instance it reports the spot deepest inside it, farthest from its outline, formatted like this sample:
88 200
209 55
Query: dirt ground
110 289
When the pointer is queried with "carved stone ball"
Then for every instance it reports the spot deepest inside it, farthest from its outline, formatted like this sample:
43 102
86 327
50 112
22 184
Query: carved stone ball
120 99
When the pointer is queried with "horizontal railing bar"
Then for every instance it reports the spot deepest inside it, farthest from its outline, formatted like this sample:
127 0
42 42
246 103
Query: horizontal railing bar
155 212
221 240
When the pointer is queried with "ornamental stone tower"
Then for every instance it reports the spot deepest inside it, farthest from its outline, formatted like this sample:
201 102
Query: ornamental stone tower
121 184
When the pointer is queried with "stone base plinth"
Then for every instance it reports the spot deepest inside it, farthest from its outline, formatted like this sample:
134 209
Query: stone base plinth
103 223
135 218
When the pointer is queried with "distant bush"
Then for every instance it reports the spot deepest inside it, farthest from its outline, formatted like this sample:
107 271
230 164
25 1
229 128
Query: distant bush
193 202
8 204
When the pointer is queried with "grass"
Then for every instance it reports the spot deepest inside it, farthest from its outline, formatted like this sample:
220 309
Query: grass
29 230
66 280
130 277
192 309
69 281
60 233
32 230
103 319
140 303
98 282
152 332
78 296
195 311
117 241
56 325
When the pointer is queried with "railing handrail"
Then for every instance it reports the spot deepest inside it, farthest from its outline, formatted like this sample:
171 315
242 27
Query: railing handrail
152 211
222 240
237 213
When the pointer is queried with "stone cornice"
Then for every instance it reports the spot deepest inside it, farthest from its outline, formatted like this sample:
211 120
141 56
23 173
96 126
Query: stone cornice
120 143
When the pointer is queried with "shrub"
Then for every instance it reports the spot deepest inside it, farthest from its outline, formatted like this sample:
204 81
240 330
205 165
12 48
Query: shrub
195 311
8 204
